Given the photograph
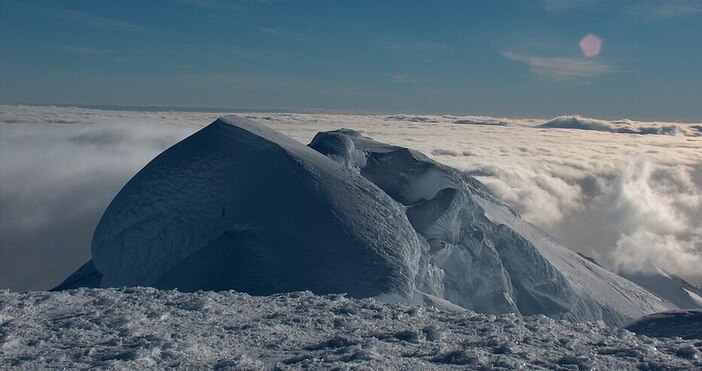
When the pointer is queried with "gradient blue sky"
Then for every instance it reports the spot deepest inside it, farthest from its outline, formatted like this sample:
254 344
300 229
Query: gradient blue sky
504 58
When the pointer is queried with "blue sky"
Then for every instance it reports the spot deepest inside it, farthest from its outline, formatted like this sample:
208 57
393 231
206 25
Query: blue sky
503 58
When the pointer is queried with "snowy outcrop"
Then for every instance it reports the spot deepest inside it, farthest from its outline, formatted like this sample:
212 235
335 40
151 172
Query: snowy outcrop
240 206
492 260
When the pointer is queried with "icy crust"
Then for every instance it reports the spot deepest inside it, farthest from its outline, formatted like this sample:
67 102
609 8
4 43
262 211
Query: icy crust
492 260
143 328
240 206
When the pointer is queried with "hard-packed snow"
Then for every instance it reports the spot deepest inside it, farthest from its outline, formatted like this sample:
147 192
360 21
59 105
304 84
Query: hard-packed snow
240 206
145 328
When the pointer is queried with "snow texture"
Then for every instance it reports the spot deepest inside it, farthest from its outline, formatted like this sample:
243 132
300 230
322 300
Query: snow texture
145 328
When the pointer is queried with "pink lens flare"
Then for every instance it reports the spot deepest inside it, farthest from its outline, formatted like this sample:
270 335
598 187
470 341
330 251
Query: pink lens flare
591 45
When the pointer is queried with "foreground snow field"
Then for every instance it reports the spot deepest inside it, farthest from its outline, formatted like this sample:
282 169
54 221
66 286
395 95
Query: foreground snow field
144 328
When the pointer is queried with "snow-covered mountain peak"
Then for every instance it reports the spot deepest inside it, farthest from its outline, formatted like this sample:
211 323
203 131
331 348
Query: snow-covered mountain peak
492 260
240 206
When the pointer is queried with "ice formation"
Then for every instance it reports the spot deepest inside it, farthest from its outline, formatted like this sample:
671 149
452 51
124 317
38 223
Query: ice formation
240 206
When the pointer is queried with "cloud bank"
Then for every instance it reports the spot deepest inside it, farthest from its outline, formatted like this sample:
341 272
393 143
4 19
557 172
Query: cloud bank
618 126
628 200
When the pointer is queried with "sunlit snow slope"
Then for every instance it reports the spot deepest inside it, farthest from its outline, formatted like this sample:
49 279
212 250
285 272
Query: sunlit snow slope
240 206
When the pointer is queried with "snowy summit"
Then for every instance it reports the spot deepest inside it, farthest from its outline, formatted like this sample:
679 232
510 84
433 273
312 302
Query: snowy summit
240 206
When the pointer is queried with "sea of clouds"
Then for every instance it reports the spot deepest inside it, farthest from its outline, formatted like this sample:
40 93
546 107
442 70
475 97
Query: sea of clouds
626 193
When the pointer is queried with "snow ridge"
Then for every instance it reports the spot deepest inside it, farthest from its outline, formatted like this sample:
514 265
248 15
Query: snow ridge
240 206
492 260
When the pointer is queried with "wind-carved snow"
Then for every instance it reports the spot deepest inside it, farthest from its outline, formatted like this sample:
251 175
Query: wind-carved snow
617 126
144 328
492 260
240 206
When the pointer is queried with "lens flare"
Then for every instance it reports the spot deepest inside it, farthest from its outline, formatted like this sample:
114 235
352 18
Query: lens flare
591 45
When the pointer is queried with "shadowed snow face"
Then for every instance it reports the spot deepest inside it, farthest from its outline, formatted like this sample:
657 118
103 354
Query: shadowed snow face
626 199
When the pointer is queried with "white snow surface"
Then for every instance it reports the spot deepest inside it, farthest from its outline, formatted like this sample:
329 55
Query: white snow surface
145 328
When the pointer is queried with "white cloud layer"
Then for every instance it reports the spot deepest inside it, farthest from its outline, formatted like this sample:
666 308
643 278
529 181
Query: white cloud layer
619 126
628 200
